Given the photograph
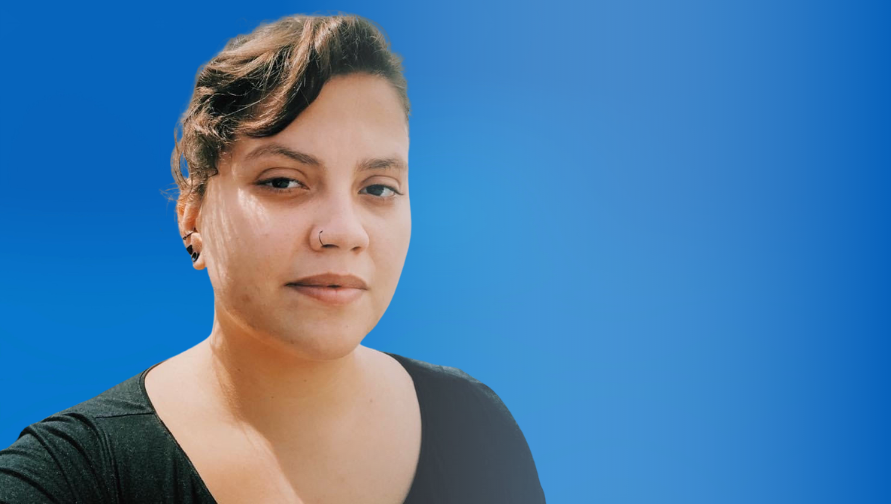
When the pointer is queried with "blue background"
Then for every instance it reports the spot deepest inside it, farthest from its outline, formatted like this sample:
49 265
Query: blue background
658 230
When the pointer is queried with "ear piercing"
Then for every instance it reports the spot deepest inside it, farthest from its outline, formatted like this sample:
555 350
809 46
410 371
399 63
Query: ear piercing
189 248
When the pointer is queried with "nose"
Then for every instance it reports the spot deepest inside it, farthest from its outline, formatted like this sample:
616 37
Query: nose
338 225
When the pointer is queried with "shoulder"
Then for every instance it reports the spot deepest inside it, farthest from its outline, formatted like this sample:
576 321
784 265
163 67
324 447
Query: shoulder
435 373
68 456
474 435
460 405
126 398
450 384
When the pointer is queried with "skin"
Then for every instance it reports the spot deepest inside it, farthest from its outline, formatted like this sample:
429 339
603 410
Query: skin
276 358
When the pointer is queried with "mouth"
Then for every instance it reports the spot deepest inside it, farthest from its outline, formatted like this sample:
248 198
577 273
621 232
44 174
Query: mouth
332 280
333 294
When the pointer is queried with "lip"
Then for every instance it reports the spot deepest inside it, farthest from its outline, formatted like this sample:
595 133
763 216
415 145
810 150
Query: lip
330 295
330 278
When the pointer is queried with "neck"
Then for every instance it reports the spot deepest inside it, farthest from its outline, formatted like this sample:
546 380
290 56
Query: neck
272 385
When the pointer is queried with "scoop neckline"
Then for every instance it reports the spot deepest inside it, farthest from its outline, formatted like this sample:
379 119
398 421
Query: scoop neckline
196 475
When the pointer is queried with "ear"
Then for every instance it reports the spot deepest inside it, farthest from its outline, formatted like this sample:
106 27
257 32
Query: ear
188 208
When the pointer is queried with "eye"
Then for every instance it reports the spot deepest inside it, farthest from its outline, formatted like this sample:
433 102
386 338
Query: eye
381 188
280 184
285 184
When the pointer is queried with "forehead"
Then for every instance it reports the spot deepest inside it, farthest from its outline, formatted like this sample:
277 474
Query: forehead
356 115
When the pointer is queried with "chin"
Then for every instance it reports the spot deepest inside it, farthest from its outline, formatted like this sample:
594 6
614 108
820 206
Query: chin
322 341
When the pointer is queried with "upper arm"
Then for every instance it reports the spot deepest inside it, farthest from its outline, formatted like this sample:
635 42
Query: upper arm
61 459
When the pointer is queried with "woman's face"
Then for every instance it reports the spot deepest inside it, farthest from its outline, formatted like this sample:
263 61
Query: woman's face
340 168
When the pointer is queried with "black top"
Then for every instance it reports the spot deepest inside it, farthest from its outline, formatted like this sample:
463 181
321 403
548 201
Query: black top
114 448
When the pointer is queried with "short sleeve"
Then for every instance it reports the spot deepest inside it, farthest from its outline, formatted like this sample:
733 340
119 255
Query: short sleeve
62 459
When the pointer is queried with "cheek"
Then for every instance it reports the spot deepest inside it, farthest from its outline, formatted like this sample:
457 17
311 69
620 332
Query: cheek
391 253
244 241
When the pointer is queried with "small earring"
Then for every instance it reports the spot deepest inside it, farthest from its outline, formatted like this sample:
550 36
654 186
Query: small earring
189 248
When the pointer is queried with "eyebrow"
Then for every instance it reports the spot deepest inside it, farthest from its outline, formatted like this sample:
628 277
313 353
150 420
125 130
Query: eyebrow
273 149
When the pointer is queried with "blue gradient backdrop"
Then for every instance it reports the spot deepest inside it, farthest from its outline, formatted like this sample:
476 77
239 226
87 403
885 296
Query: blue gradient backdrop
658 230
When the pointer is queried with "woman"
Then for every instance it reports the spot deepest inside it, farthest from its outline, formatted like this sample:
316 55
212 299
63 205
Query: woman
296 202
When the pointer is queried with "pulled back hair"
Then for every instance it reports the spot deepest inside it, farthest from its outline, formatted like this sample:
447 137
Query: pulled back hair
260 82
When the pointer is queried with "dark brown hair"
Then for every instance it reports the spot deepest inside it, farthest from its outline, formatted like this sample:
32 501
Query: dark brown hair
260 82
